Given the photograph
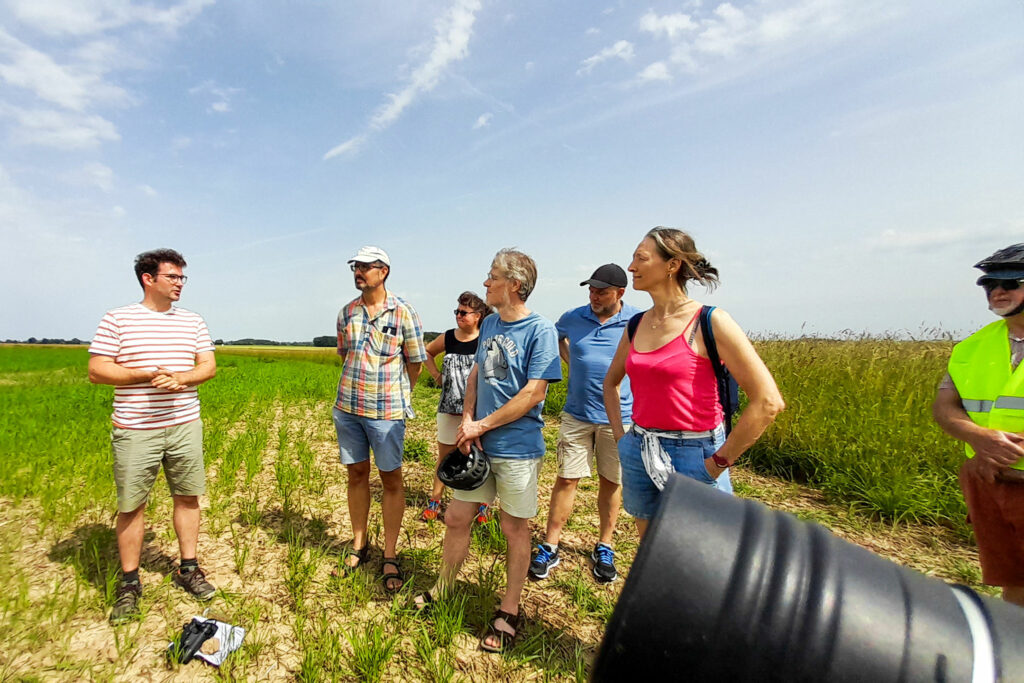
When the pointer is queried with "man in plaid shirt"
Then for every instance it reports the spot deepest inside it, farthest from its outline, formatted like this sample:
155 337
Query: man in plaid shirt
380 338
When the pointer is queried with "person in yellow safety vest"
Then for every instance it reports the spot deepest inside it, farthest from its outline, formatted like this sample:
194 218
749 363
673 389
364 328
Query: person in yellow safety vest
980 401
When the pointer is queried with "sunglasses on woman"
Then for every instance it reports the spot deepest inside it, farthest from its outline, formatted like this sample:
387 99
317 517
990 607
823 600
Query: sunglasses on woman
461 313
1007 285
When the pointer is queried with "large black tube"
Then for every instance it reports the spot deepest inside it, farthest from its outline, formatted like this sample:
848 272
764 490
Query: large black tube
725 589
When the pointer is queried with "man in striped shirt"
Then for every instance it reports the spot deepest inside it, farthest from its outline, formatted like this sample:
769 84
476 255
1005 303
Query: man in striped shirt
380 339
155 355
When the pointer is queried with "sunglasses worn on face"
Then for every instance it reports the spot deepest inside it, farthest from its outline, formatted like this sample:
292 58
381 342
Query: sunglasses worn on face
363 267
461 313
1008 285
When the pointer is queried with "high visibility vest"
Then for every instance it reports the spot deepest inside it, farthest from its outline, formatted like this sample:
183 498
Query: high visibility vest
992 392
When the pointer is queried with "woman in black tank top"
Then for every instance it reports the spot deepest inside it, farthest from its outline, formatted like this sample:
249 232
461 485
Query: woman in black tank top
459 347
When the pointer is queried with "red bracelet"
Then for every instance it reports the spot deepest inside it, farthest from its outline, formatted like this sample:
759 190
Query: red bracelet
721 462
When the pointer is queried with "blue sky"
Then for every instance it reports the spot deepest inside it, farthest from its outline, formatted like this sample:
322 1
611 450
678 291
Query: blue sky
842 162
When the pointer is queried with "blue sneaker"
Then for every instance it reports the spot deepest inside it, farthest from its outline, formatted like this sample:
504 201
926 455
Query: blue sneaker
544 560
604 563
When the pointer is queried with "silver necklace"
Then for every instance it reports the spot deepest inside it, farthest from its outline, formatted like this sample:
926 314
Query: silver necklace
656 325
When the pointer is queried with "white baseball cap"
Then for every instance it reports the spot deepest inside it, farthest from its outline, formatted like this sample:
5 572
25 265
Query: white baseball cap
370 254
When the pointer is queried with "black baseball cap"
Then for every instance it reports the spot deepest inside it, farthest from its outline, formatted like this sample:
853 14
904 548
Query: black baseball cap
608 275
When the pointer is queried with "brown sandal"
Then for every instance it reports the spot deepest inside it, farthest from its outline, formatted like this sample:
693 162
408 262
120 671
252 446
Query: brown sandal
397 576
505 639
361 554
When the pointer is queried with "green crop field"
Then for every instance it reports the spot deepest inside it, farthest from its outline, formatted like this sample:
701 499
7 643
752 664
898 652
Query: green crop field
857 429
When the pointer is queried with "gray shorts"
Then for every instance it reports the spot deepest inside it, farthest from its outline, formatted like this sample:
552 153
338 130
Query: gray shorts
138 454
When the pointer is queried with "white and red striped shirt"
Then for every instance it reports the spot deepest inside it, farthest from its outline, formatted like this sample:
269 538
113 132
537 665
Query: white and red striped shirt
137 337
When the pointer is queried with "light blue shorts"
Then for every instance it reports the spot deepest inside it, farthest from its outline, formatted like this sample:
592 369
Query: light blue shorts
358 435
639 494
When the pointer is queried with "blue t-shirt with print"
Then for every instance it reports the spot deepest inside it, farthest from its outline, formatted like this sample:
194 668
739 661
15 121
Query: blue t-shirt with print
591 349
509 355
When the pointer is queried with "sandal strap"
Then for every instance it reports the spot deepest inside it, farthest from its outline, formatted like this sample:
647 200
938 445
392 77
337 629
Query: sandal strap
511 619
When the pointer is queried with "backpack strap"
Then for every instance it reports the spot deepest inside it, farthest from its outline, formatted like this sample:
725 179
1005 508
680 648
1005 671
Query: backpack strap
709 339
708 334
633 323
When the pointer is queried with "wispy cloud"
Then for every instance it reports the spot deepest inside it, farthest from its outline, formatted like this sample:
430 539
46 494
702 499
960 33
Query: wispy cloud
623 50
220 95
70 80
670 25
148 191
451 44
483 120
73 86
700 38
63 130
81 18
657 71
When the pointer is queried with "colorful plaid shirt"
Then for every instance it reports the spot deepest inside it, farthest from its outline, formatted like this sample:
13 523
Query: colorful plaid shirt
374 382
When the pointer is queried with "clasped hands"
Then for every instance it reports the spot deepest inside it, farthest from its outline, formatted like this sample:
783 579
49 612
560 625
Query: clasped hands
167 380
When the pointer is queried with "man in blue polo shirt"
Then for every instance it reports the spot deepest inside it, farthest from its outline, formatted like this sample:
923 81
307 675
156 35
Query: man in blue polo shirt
587 339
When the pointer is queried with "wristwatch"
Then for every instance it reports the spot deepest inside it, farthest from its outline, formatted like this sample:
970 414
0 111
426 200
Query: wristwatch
721 462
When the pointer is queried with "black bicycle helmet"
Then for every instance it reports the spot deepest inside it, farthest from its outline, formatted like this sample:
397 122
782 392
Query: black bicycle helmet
1005 264
464 471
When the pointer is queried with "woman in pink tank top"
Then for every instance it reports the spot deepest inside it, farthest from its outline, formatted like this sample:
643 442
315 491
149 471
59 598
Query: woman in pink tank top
677 417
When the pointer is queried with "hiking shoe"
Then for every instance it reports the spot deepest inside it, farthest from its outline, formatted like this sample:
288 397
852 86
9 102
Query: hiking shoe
604 563
483 513
126 604
544 560
432 511
194 583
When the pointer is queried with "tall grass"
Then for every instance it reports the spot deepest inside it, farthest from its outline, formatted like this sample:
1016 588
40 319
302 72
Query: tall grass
858 424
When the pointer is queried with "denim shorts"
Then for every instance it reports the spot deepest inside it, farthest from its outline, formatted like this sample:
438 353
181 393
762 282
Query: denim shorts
357 435
639 494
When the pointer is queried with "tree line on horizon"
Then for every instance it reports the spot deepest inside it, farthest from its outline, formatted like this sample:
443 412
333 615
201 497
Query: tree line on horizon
325 341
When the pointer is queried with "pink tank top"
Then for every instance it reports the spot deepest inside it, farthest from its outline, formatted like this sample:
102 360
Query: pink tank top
673 388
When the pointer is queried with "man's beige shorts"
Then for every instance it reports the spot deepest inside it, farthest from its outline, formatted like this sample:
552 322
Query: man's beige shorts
514 482
138 454
581 443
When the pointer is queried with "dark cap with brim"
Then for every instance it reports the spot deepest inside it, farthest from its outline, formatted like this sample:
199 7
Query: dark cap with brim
608 275
1008 274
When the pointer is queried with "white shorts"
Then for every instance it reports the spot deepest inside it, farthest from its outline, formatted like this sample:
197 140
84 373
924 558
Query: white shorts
514 482
581 443
448 428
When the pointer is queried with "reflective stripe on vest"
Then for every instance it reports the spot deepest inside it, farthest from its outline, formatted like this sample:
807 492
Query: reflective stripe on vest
991 392
975 406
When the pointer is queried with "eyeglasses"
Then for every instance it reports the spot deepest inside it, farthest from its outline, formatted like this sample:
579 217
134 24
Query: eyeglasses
1008 285
363 267
461 313
489 276
182 279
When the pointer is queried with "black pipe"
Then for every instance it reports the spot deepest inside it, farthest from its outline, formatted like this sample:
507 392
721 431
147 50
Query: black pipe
724 589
